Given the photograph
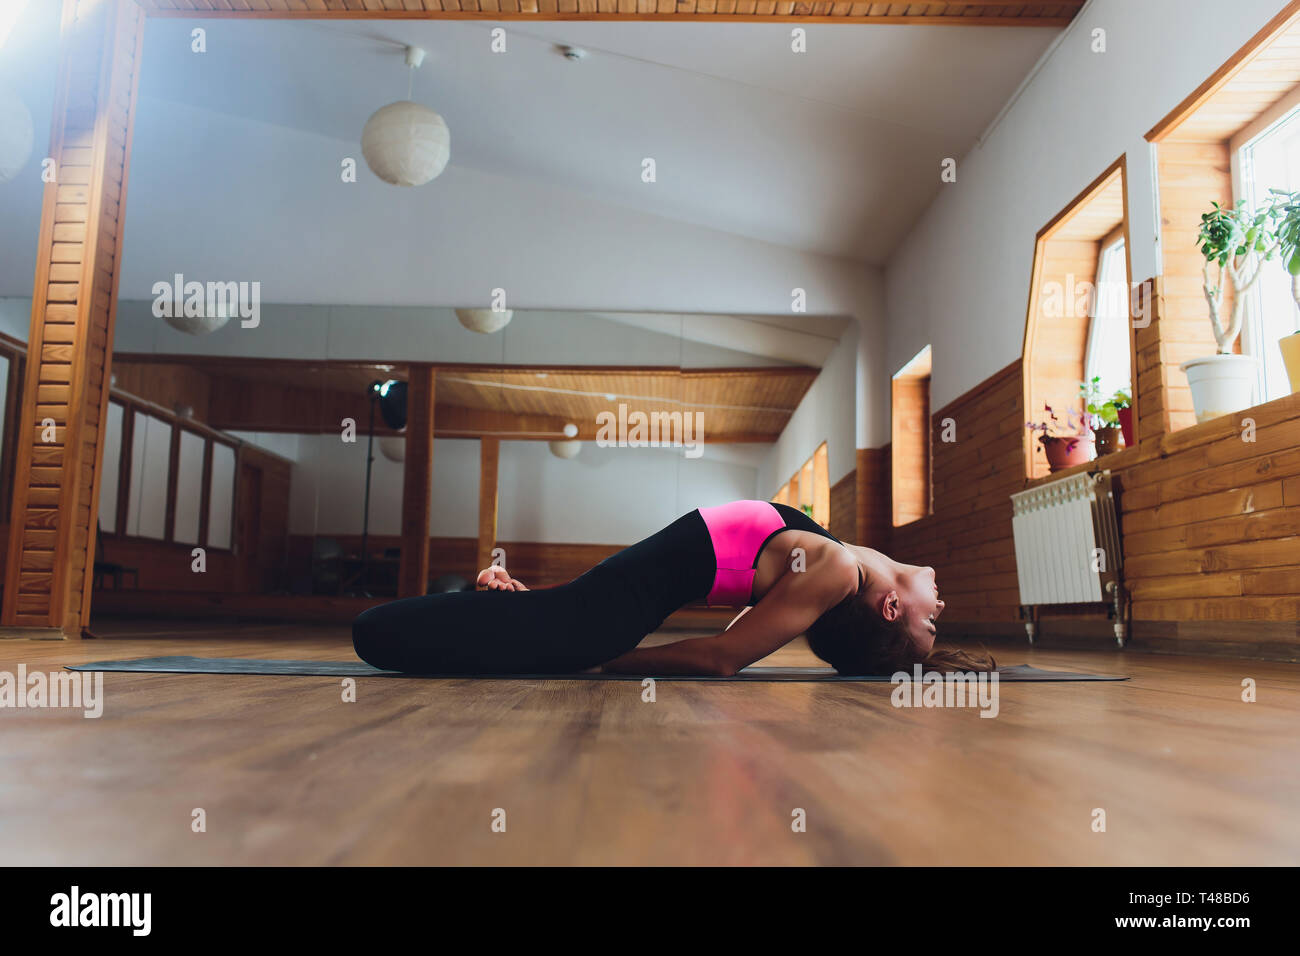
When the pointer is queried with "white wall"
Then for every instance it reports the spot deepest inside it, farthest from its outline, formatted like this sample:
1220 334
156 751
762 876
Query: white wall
960 280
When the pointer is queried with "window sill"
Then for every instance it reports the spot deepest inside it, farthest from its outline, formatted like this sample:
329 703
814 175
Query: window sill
1286 408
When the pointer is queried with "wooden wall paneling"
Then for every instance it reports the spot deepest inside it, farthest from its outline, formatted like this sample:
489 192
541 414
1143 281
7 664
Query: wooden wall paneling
488 490
56 486
844 508
417 482
873 498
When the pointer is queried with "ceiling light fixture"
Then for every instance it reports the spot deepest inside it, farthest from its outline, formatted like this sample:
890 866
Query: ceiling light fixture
565 449
406 143
486 321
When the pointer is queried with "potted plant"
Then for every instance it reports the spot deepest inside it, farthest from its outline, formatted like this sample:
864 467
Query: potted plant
1103 418
1122 402
1063 444
1288 232
1239 242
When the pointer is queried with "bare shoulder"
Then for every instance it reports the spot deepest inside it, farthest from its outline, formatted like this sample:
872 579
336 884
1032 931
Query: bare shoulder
841 569
831 571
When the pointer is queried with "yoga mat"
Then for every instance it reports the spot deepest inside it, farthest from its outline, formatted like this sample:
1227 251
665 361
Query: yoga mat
238 665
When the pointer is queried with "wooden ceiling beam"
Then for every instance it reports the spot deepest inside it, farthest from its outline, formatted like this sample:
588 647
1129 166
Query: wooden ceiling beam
989 13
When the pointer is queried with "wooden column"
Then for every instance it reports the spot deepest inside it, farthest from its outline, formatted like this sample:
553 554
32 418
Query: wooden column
65 391
489 456
417 482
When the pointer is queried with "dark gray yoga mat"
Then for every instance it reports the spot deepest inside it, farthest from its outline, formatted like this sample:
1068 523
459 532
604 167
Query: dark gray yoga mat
244 665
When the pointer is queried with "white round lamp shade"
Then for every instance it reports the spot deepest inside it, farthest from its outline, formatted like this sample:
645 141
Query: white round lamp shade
197 324
17 134
406 144
484 320
565 449
393 447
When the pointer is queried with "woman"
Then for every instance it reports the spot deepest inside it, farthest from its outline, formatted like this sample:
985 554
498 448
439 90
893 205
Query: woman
863 612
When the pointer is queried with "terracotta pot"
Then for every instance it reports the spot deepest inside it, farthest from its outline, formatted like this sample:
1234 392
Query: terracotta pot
1126 424
1107 441
1066 452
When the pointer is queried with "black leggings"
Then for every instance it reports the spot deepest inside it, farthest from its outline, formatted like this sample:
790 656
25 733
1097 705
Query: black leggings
592 619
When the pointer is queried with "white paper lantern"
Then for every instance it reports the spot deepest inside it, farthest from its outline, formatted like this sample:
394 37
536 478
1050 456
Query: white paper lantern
484 320
565 449
406 144
393 447
16 134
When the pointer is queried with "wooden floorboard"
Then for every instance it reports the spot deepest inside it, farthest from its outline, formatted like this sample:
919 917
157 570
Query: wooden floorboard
588 773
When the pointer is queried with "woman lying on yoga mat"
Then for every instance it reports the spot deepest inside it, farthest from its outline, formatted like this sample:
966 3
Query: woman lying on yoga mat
863 612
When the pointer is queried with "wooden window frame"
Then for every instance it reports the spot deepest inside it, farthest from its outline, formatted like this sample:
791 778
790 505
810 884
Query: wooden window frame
907 509
1039 386
1196 137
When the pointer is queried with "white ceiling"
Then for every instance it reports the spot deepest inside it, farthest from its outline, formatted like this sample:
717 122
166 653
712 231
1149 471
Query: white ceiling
833 152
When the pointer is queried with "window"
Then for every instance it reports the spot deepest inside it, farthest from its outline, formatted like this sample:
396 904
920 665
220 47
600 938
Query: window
221 498
1230 139
1079 321
910 440
1108 349
151 443
161 458
111 468
189 488
1267 156
809 489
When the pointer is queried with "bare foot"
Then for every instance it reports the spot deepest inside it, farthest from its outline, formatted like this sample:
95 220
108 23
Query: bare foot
497 579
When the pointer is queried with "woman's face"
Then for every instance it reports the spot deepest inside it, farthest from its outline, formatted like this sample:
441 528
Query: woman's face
919 603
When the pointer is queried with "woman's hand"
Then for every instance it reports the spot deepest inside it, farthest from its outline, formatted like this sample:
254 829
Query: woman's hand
496 579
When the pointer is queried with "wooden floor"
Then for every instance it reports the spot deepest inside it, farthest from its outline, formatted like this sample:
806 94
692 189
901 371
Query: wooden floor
587 773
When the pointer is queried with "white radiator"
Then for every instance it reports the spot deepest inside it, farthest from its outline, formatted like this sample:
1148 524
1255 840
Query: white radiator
1068 547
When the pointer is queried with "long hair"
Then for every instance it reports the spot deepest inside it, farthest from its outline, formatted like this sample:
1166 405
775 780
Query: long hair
855 640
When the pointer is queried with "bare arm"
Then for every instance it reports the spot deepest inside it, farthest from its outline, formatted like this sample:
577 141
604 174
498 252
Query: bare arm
795 601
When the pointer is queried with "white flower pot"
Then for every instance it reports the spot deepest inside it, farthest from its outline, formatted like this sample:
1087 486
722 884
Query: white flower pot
1221 384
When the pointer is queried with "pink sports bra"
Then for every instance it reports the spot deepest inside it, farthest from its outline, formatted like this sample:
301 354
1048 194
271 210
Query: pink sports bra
739 529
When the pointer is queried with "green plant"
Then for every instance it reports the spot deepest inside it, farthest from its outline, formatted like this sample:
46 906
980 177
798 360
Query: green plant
1101 414
1239 241
807 509
1053 429
1121 399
